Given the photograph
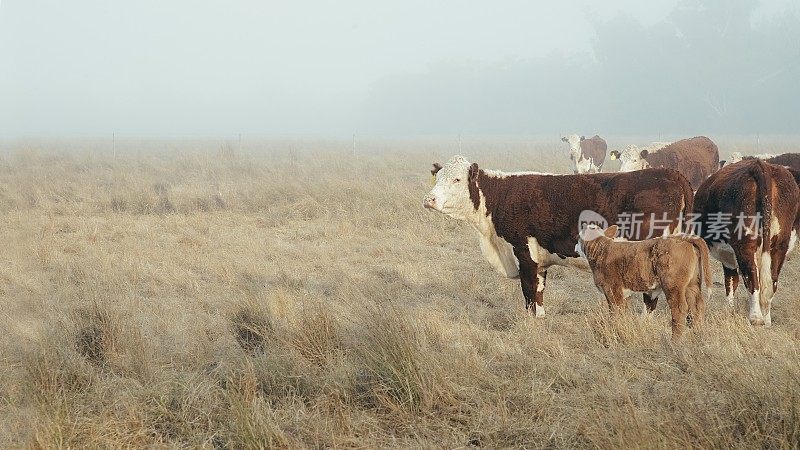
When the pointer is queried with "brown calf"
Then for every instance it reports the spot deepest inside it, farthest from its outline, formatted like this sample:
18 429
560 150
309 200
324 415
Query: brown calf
675 265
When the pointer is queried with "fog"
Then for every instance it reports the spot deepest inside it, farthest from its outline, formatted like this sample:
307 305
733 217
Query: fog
410 68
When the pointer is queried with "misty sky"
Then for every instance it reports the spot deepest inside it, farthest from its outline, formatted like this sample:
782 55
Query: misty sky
325 68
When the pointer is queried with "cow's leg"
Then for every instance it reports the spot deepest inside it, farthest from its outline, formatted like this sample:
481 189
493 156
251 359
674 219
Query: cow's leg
748 266
529 279
615 297
698 311
541 283
731 283
778 257
676 299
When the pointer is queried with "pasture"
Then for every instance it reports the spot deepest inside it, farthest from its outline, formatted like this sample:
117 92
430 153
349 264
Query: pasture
292 294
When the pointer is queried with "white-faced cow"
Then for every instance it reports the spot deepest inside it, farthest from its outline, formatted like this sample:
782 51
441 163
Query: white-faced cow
695 158
528 222
631 157
748 214
587 155
787 159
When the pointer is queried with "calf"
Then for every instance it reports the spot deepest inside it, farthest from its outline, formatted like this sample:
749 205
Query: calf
528 222
695 158
587 155
748 214
676 266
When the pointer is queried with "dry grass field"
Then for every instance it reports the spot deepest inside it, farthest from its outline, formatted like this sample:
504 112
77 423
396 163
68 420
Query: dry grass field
294 295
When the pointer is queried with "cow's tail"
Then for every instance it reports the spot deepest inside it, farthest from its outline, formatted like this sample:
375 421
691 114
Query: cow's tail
763 178
696 308
705 265
688 203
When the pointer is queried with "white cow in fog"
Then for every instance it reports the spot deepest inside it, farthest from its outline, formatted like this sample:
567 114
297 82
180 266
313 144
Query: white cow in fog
587 155
737 156
632 158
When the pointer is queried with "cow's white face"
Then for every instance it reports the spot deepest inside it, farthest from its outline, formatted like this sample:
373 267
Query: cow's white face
574 142
632 158
450 194
735 157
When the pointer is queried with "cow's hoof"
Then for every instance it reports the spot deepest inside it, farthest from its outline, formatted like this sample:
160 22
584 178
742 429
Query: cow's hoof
756 321
539 311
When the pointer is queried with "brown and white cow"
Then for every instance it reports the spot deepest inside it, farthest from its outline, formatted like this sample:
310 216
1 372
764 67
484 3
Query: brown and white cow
791 160
527 222
587 155
748 214
695 158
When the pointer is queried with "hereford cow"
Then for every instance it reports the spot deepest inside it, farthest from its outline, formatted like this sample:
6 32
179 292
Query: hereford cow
748 214
631 157
528 222
790 160
587 155
676 266
787 159
695 158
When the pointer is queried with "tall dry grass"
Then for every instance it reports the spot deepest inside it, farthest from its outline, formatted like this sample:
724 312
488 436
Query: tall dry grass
303 298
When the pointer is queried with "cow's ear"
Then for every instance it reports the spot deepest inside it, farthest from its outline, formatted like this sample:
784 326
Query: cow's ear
611 231
436 168
564 139
722 164
473 172
643 153
583 138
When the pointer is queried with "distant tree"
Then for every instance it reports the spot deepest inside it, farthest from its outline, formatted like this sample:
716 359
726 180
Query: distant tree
708 67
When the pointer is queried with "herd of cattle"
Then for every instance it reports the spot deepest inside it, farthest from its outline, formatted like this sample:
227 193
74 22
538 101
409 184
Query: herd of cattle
689 204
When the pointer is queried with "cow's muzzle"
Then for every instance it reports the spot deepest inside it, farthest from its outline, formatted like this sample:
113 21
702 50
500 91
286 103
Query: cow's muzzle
429 202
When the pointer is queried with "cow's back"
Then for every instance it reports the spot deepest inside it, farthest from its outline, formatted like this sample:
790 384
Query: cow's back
695 158
787 159
549 207
594 148
745 189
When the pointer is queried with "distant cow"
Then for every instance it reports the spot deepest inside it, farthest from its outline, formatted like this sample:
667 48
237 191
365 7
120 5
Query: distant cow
790 160
748 214
787 159
676 266
528 222
631 157
587 155
695 158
